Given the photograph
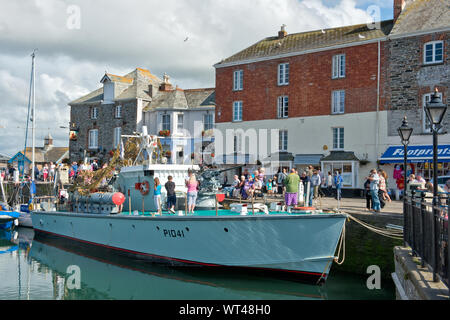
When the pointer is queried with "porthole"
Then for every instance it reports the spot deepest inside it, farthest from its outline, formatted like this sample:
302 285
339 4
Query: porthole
225 229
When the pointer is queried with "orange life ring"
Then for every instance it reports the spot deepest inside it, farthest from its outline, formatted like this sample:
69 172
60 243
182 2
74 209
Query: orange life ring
304 208
144 188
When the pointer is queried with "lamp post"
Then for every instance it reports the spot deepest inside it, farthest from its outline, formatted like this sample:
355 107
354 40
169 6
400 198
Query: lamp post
435 111
405 133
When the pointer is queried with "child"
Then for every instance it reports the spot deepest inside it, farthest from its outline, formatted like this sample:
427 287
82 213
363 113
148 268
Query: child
269 187
274 185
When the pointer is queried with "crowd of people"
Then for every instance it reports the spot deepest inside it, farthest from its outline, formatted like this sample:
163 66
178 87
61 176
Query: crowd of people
76 168
257 184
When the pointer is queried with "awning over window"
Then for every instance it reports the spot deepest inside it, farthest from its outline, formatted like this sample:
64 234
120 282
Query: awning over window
416 154
309 159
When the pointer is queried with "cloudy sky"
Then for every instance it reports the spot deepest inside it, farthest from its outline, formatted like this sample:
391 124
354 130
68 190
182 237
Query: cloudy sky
78 40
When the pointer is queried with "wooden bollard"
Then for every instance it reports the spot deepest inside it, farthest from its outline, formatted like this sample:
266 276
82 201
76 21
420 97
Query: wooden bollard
129 201
217 210
253 204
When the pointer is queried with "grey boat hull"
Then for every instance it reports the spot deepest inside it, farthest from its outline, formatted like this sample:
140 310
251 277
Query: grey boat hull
302 246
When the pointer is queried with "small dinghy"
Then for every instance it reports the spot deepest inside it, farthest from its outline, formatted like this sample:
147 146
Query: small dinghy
7 218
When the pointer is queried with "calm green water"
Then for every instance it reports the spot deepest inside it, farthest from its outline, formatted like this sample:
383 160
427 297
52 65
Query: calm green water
32 269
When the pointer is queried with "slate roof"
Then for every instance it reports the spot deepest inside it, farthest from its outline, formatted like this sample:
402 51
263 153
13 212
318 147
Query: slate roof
340 156
423 15
41 155
134 85
310 40
182 99
4 157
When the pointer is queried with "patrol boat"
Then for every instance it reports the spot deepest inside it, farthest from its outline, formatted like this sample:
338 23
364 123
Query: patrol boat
299 244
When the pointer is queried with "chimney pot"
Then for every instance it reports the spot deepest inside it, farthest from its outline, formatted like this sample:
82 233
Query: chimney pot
282 33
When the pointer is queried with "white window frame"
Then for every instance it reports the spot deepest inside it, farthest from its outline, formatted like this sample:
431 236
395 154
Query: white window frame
338 102
283 140
283 74
180 122
283 107
166 123
93 139
237 111
94 113
338 134
433 44
118 112
117 136
208 121
237 143
426 98
238 80
338 68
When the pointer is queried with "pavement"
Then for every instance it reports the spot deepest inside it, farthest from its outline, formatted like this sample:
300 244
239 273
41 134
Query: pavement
358 205
355 205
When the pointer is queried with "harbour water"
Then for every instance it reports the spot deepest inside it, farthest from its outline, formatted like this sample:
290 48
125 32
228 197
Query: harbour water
35 269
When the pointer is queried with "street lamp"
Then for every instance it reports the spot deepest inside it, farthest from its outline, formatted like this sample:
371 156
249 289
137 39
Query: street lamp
405 133
435 111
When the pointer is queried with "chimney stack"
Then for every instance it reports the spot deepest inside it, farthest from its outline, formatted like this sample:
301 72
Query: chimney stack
282 33
166 86
399 6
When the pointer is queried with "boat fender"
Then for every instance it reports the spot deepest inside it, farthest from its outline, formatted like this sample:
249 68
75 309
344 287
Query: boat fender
144 188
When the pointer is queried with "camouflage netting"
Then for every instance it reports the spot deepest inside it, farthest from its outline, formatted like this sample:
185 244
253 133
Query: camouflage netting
93 181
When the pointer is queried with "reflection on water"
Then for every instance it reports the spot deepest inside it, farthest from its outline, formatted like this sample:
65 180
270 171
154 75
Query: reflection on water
43 269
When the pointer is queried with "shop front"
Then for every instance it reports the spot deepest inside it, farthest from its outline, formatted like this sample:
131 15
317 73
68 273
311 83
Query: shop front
346 163
420 161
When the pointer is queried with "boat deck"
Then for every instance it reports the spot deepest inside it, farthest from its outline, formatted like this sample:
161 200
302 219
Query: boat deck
222 212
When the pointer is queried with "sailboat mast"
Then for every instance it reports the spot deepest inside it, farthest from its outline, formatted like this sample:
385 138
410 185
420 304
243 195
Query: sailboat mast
33 126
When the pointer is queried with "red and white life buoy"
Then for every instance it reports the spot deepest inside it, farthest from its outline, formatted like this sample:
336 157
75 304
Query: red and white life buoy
144 188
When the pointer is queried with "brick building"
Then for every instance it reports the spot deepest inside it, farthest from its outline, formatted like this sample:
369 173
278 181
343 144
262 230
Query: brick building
334 94
322 89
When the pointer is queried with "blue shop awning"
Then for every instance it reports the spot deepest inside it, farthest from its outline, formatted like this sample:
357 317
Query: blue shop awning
416 154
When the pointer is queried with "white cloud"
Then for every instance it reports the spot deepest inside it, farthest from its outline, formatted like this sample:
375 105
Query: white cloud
118 36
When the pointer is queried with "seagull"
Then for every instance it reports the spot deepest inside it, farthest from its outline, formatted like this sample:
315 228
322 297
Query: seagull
187 38
361 36
323 31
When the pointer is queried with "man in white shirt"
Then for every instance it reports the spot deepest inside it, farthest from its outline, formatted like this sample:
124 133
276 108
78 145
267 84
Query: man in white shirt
374 179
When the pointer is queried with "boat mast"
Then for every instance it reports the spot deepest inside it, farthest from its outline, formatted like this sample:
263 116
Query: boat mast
33 127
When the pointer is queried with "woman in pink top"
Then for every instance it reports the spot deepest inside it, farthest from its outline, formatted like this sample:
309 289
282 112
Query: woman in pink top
192 186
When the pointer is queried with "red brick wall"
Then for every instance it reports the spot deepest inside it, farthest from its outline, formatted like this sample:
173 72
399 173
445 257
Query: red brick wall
310 85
